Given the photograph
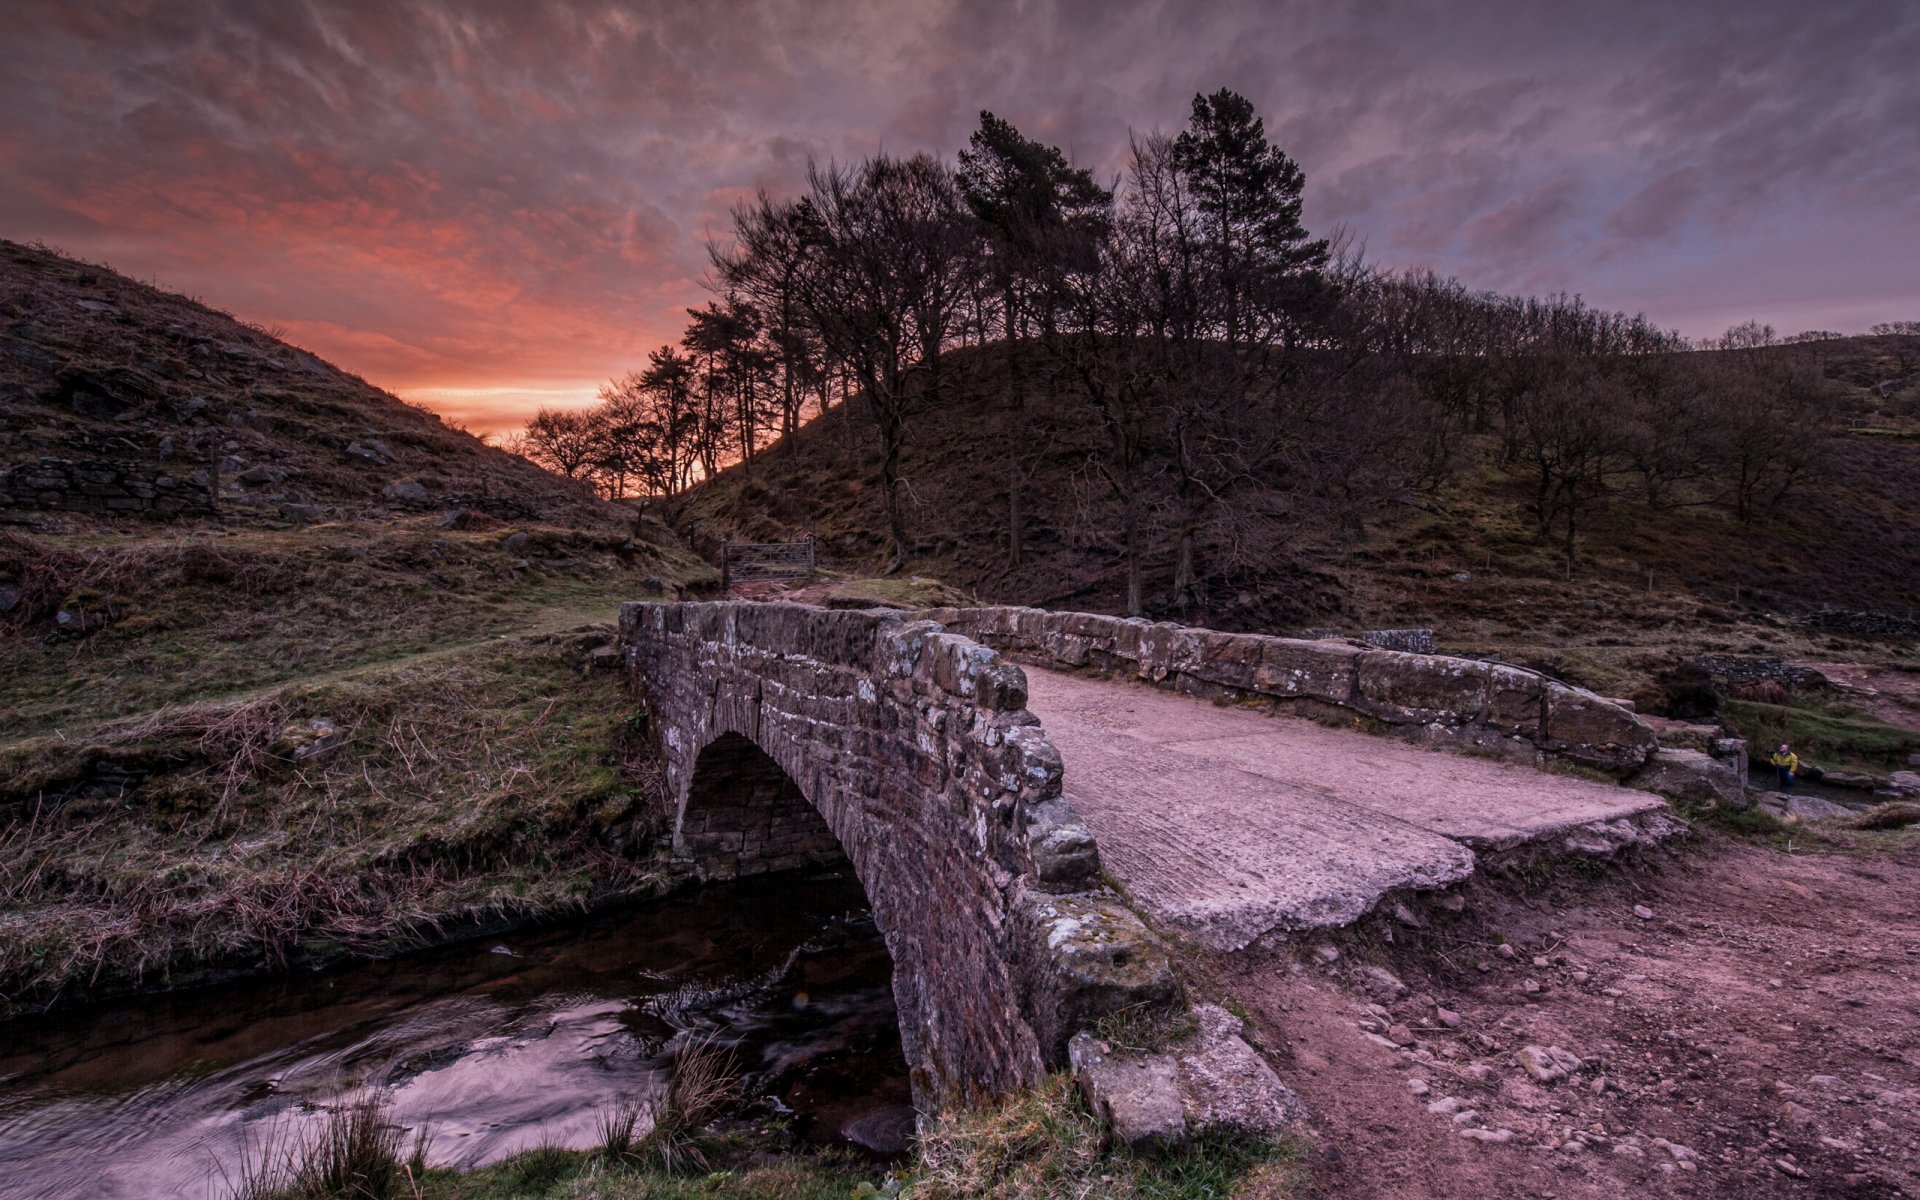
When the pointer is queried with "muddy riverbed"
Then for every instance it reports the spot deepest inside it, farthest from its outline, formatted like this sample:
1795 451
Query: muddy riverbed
491 1047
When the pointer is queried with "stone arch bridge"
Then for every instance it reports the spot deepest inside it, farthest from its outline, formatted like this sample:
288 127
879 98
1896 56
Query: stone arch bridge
909 745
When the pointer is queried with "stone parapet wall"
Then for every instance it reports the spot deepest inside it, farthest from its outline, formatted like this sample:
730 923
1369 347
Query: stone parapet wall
105 487
916 747
1450 702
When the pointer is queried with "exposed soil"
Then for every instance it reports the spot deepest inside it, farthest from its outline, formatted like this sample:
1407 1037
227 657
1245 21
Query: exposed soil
1756 1033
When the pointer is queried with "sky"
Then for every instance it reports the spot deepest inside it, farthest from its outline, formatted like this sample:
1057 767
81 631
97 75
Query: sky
492 206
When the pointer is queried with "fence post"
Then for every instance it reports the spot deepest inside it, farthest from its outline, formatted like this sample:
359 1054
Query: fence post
726 574
810 558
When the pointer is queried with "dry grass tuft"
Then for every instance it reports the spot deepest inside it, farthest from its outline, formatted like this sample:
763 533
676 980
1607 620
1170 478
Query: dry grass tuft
1897 815
702 1086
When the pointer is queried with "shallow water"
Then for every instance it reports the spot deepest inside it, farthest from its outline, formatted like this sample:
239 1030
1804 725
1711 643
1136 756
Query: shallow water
492 1046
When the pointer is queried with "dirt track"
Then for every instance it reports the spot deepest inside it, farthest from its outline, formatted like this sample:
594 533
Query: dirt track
1764 1018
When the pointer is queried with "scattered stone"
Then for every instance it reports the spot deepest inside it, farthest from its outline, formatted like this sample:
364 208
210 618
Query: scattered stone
1380 982
1466 1116
1541 962
1788 1168
405 492
1826 1083
1446 1106
1400 1035
1478 1072
1547 1064
1599 1085
514 543
1138 1095
1447 1017
1327 953
311 739
372 451
1506 950
305 514
1796 1114
1418 1087
1452 902
887 1132
521 564
1495 1136
261 476
10 597
1643 912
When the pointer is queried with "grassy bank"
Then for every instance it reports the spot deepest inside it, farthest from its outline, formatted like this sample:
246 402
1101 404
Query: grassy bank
366 812
107 625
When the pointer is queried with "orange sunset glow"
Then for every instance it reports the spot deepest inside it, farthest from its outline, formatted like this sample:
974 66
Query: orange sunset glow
493 207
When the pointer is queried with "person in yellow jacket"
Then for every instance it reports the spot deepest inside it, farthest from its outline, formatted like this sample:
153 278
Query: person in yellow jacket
1787 764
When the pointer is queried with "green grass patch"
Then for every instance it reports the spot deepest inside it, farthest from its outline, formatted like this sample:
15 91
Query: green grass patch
1829 735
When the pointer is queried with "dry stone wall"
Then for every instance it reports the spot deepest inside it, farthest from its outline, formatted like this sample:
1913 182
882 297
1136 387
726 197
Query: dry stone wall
1451 702
106 487
915 746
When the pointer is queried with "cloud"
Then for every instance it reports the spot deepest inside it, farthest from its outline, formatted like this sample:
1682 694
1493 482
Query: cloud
488 201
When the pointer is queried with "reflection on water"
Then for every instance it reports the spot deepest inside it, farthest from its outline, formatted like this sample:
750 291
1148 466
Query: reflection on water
492 1046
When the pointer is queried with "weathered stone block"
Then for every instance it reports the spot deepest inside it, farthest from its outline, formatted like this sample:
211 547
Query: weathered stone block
1418 689
1691 777
1588 730
1321 670
1232 660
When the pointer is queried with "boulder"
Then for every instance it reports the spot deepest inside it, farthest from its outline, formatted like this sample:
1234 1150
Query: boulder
371 451
887 1132
1691 777
1792 807
405 492
1903 784
261 476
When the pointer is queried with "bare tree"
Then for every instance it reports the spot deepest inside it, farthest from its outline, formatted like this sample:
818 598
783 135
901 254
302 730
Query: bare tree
894 253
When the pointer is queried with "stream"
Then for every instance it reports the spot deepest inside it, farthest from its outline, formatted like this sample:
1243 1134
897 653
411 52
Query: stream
491 1047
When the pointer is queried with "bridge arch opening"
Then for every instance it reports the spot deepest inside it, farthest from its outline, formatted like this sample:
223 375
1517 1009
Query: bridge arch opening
743 816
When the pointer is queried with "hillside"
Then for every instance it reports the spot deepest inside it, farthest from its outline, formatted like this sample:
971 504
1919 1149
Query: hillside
122 399
1463 558
288 668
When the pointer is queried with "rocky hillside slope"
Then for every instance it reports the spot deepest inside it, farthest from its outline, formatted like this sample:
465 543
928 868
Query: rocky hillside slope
120 399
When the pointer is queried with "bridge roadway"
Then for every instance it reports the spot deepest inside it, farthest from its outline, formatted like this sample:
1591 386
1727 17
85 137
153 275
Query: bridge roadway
1224 823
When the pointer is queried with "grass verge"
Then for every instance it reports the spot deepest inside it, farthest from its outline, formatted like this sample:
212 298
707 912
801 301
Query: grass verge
358 815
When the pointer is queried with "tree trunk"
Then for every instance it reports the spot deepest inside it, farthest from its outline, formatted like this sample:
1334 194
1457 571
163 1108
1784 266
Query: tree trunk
1186 591
890 487
1136 585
